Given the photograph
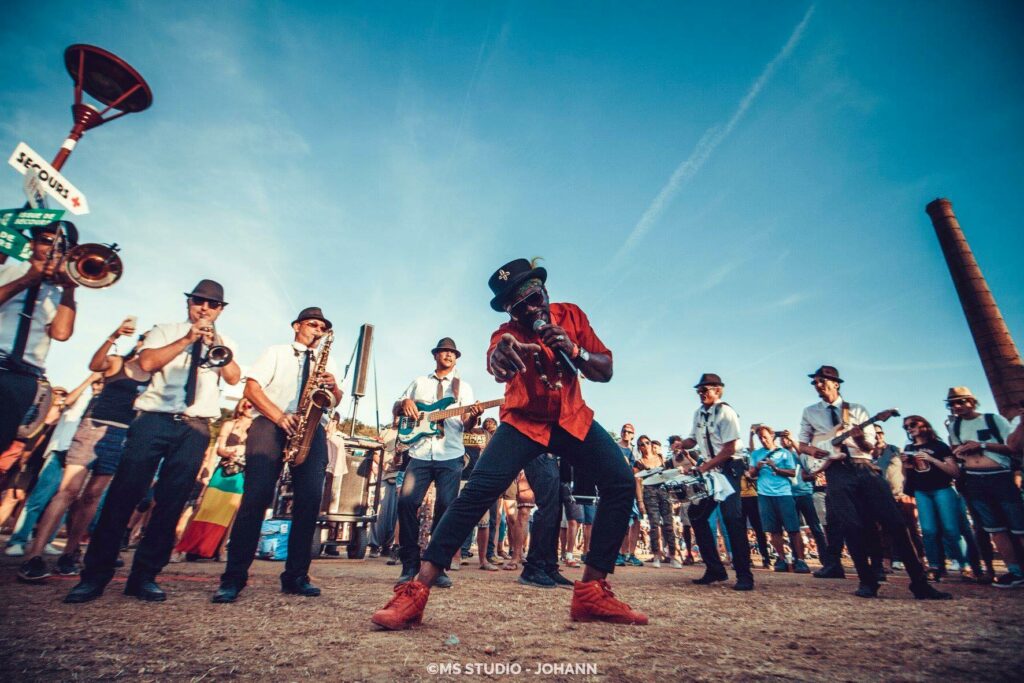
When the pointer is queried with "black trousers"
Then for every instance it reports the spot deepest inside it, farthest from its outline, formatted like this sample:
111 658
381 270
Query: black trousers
446 475
735 526
832 557
752 515
17 391
805 509
542 475
861 502
155 440
510 451
264 460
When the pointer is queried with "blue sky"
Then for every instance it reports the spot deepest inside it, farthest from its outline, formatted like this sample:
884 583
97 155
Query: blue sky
737 189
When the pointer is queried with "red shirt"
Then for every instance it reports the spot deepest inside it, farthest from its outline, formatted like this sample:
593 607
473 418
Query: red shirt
530 406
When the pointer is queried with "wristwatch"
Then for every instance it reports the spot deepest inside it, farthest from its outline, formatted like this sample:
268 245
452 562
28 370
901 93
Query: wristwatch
584 355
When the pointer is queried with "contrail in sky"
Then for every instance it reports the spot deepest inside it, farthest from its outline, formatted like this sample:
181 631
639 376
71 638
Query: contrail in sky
709 142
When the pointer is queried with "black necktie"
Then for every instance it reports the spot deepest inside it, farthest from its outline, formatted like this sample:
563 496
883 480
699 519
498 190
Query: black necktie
25 322
305 370
193 373
707 435
440 388
834 414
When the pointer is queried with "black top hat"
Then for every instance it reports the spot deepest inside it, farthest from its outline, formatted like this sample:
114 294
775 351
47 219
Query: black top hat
69 230
446 344
826 372
709 379
312 313
511 275
208 289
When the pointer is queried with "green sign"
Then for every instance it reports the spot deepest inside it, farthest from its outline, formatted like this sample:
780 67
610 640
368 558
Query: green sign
13 243
27 218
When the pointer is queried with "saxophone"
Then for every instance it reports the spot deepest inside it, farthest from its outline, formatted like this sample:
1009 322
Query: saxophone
314 402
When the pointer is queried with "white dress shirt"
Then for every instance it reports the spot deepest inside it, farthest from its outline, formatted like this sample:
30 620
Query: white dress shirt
721 422
38 342
816 425
166 390
424 390
278 371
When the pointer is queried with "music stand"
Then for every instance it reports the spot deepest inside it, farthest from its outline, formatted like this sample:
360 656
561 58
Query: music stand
110 81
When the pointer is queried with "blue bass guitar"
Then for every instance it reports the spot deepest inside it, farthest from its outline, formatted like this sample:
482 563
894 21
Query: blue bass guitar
432 417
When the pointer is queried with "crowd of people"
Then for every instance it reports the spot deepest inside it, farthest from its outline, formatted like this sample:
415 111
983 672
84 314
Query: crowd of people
534 490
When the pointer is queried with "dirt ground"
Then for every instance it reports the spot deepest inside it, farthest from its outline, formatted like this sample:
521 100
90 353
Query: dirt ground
790 628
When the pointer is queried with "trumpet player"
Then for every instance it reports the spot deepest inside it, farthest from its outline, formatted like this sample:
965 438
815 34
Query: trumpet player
34 309
275 385
170 432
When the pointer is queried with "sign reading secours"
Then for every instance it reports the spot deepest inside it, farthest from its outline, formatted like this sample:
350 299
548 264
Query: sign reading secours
52 182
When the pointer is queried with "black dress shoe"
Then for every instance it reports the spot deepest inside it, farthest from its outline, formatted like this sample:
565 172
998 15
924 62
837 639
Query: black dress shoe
709 579
830 573
226 593
866 591
144 589
301 587
744 583
924 591
85 591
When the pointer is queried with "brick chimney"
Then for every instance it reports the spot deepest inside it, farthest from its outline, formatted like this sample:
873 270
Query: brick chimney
998 353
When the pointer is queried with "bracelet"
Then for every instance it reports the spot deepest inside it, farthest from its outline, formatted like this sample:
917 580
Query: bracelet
112 340
575 351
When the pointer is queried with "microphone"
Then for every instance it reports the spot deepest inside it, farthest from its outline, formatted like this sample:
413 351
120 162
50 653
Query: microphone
539 323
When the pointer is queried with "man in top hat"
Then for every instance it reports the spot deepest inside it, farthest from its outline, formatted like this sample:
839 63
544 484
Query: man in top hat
537 354
436 458
858 500
979 441
170 433
716 434
35 307
274 386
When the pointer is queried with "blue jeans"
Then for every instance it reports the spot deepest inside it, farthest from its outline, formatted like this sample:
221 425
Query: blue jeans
45 488
383 531
938 512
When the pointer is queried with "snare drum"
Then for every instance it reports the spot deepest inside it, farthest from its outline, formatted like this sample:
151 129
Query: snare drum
689 488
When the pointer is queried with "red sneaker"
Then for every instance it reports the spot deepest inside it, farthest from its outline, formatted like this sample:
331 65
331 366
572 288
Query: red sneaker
405 609
594 601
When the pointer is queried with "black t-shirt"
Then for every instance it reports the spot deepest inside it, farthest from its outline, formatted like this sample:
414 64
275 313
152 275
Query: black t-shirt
933 479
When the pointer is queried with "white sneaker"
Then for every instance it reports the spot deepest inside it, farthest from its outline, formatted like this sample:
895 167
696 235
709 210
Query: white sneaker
954 566
51 549
676 564
656 563
16 550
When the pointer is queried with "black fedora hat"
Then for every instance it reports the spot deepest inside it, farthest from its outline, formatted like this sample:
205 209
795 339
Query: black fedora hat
511 275
208 289
446 344
312 313
69 230
709 379
826 372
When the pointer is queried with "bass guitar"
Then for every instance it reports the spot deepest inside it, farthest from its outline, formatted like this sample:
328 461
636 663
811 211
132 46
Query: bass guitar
832 443
432 417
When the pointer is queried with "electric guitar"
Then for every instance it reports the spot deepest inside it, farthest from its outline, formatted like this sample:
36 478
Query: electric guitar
831 443
432 417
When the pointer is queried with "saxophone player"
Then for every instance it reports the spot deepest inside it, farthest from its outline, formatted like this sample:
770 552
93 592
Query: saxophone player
275 386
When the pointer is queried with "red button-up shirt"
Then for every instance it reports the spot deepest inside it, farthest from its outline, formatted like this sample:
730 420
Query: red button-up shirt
530 406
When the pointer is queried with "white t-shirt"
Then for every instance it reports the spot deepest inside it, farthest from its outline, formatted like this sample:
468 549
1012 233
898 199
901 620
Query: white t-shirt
977 430
38 342
166 390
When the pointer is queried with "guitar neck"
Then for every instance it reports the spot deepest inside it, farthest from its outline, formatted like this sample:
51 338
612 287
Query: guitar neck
838 440
454 412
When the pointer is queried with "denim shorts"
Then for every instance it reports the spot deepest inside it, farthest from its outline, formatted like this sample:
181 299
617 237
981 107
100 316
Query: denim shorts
996 501
98 446
588 513
778 513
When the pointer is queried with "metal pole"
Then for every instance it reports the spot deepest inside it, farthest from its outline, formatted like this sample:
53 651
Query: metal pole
999 356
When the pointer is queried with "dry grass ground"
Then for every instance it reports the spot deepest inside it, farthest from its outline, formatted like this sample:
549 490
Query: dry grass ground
790 628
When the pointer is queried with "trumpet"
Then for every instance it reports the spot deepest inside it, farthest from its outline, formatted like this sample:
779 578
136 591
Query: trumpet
218 355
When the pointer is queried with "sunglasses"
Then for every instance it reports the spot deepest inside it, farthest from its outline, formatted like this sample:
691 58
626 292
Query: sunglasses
959 402
704 390
210 303
912 425
42 239
534 300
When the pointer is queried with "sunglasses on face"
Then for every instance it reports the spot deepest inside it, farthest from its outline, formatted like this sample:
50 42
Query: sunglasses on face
704 390
210 303
535 300
912 425
45 239
959 402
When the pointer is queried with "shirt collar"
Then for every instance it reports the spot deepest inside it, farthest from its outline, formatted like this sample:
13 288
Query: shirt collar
838 403
299 348
447 378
